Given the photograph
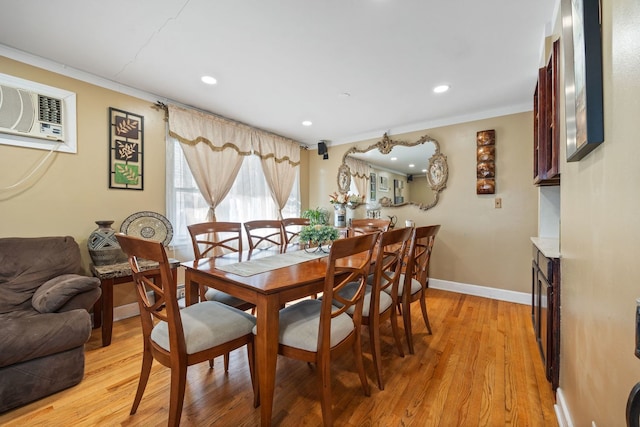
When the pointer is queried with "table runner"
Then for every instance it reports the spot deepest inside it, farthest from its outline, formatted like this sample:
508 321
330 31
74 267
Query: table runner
261 265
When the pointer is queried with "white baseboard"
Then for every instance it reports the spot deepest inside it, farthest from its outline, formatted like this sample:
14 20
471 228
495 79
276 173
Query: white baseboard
481 291
562 410
125 311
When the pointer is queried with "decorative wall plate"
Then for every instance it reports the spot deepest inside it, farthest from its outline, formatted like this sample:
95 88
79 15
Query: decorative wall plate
148 225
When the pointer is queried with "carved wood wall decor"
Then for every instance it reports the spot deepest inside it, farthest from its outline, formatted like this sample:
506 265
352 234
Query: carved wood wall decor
486 162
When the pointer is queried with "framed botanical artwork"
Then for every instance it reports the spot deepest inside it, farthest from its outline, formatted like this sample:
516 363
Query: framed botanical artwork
583 76
126 146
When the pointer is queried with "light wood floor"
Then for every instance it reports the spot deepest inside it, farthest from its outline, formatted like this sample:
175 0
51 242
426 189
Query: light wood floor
480 367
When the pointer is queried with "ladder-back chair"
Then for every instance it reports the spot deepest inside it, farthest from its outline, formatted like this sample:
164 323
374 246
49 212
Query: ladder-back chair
315 330
181 338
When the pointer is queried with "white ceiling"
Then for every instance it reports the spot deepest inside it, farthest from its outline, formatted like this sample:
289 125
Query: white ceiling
279 62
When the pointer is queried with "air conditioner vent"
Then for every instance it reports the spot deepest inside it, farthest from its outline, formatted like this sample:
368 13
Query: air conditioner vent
50 109
37 116
26 113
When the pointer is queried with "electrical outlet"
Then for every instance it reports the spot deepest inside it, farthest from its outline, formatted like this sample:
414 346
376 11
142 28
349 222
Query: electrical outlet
497 203
180 291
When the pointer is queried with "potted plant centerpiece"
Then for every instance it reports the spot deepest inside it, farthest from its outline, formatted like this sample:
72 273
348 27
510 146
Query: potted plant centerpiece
317 236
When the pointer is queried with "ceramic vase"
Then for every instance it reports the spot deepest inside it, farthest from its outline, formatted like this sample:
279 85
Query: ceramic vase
103 245
340 215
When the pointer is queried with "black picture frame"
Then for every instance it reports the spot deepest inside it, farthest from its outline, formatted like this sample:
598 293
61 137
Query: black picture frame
126 149
582 45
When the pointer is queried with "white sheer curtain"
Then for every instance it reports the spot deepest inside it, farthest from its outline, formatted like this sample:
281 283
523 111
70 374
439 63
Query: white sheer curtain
280 159
214 149
248 199
359 174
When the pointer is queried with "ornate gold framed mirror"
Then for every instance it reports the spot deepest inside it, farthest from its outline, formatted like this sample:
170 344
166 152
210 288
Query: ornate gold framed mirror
394 173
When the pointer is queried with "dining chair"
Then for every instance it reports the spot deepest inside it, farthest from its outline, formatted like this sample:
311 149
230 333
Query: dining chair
381 293
267 233
214 239
316 330
291 230
180 338
368 225
416 277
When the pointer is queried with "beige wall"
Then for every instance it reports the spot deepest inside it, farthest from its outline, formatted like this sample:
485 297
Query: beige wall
72 191
600 239
477 244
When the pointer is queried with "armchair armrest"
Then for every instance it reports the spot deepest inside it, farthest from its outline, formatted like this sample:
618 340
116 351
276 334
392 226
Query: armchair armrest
55 293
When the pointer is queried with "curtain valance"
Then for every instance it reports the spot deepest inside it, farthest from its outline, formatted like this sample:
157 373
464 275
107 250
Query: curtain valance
281 149
192 127
358 168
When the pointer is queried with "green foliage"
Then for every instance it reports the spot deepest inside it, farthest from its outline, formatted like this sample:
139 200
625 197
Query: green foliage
318 233
317 216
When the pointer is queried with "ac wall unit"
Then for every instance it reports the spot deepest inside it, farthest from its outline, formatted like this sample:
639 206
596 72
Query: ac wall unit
30 114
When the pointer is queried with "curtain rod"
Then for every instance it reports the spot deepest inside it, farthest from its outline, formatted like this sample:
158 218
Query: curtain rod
161 105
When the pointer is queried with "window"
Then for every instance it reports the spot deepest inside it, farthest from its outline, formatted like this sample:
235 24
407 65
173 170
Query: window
249 198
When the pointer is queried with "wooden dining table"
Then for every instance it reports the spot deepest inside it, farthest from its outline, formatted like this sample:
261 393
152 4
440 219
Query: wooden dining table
269 291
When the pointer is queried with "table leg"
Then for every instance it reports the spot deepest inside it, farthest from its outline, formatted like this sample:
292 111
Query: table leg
191 288
267 352
107 311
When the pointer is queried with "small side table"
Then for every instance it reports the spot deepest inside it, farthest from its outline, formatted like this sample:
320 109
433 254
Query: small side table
115 274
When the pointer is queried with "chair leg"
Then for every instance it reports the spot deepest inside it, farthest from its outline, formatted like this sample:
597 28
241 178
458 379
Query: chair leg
324 377
145 371
396 332
226 362
176 395
374 338
425 316
357 351
406 318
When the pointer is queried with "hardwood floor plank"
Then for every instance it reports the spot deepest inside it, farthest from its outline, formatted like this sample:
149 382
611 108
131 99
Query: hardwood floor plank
480 367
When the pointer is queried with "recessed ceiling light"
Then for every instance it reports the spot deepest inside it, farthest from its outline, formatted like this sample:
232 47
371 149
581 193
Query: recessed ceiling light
424 170
344 95
209 80
411 165
393 159
441 88
307 123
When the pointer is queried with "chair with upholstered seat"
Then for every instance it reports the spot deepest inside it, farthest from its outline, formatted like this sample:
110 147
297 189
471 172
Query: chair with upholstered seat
368 225
180 338
291 230
264 234
214 239
381 294
315 330
416 277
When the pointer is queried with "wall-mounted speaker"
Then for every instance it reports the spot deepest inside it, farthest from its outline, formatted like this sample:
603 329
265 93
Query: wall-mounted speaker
322 148
409 178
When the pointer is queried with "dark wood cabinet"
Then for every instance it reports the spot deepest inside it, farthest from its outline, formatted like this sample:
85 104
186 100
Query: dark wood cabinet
545 311
546 132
